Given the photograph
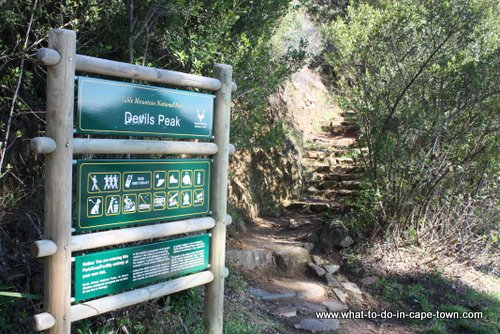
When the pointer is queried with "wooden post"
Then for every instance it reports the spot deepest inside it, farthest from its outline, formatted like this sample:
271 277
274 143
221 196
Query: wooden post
58 170
214 292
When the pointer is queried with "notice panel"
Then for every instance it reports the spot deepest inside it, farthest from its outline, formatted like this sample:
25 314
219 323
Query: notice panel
119 108
112 193
111 271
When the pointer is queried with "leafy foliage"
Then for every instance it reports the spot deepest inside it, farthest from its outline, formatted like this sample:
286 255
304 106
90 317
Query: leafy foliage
422 78
182 35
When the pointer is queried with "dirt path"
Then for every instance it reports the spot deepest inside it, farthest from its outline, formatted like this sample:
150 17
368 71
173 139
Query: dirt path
290 276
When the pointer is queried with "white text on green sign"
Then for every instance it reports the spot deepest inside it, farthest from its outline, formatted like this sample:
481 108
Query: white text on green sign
111 107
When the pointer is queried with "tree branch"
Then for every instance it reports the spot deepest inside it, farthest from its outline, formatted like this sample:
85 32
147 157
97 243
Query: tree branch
5 145
415 77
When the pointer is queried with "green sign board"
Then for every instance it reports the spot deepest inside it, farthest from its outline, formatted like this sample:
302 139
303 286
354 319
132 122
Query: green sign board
116 270
119 108
112 193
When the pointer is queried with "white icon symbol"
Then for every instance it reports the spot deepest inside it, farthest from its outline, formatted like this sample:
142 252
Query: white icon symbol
159 201
159 180
143 203
172 200
128 204
186 179
95 187
173 180
201 115
185 199
113 205
198 197
128 181
111 182
96 208
198 178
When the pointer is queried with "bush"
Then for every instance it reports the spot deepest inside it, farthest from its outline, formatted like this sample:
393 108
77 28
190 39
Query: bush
422 78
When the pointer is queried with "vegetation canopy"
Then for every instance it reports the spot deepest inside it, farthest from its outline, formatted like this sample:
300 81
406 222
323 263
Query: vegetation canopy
182 35
422 80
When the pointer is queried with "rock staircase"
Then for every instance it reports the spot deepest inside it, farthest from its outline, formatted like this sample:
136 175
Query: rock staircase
331 172
276 252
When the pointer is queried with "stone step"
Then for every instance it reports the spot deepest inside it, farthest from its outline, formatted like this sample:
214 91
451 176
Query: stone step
251 259
339 193
329 194
323 154
336 173
347 113
316 206
276 257
333 184
316 154
290 289
331 169
345 161
334 177
343 129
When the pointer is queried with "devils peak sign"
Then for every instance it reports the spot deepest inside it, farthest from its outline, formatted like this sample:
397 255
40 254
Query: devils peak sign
119 108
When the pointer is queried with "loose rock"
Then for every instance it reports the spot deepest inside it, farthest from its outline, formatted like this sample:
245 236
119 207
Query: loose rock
331 281
293 223
309 308
266 295
334 306
286 312
318 325
320 272
340 295
318 260
331 268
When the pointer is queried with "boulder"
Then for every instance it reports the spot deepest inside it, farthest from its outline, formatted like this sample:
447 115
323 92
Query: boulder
291 259
250 259
334 234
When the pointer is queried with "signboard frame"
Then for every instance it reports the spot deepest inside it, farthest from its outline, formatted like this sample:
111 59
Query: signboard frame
62 61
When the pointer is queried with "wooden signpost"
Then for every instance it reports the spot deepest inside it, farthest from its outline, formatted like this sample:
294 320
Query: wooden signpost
114 196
